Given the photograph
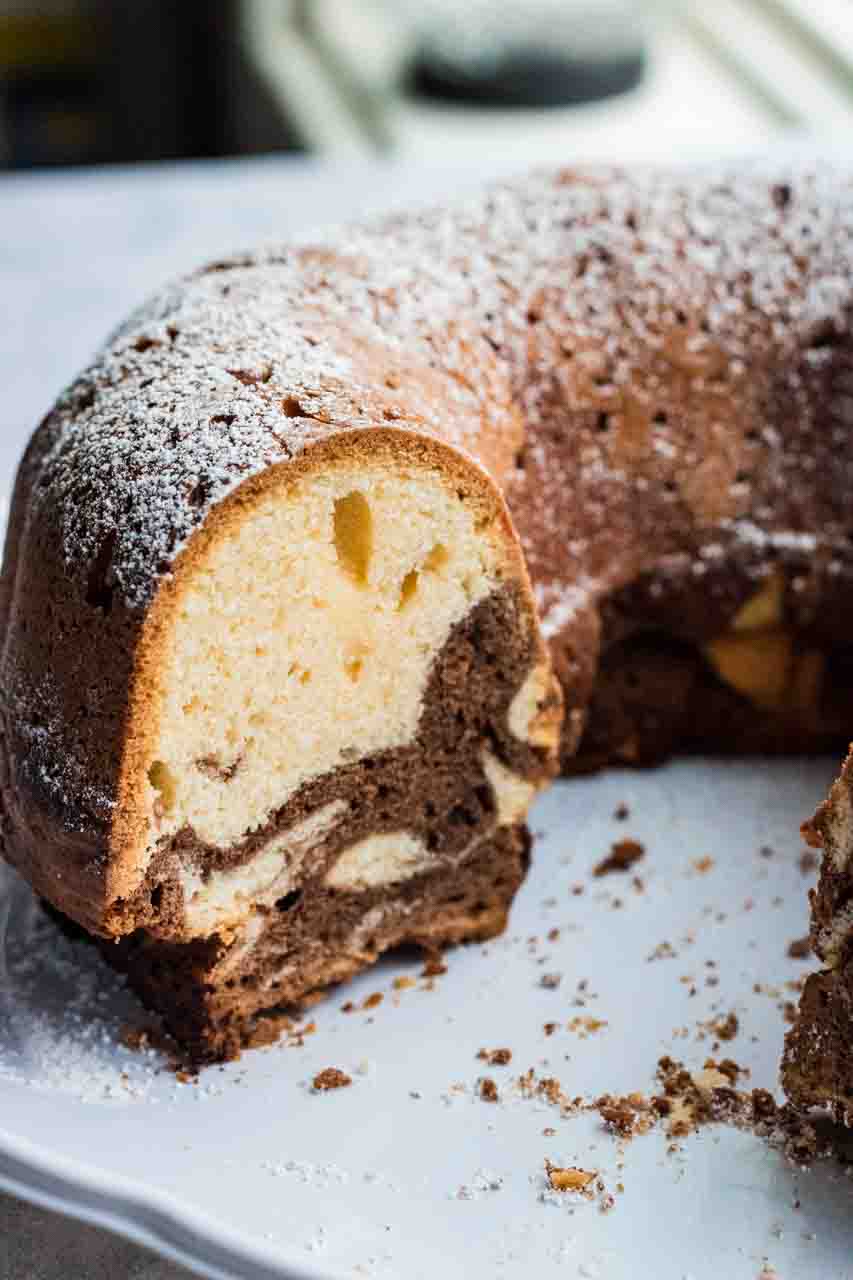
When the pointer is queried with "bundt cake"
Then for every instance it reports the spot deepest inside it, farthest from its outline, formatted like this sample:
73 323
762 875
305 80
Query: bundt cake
274 693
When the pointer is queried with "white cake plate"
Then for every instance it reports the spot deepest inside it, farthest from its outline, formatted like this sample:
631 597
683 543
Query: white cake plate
407 1173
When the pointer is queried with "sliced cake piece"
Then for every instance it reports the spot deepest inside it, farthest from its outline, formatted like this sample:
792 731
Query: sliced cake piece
274 696
817 1069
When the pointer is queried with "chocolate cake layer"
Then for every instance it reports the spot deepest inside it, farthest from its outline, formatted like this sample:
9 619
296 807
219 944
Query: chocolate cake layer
218 997
817 1069
436 796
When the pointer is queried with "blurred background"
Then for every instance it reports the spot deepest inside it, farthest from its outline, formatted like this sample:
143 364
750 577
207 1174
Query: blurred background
93 82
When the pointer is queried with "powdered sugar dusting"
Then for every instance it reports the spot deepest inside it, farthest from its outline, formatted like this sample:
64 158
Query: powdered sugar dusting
63 1011
240 366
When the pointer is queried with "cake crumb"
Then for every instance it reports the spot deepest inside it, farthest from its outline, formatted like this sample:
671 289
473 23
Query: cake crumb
627 1116
434 965
550 981
808 862
404 983
800 948
570 1178
724 1027
703 865
623 855
495 1057
488 1090
621 812
585 1025
663 951
372 1001
330 1078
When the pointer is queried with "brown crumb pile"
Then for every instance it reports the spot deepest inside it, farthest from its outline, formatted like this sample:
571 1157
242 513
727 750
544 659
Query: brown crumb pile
330 1078
622 857
495 1057
688 1101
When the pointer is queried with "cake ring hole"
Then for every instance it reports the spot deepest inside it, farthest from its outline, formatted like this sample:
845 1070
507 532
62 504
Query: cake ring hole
353 525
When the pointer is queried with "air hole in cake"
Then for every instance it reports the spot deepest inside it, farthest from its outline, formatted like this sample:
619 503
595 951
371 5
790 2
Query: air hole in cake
603 422
353 525
289 900
156 898
163 782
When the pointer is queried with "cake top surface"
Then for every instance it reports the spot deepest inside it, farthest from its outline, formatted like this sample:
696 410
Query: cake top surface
437 320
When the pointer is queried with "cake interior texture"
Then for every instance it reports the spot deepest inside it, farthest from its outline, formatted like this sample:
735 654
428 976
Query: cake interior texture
278 671
352 717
